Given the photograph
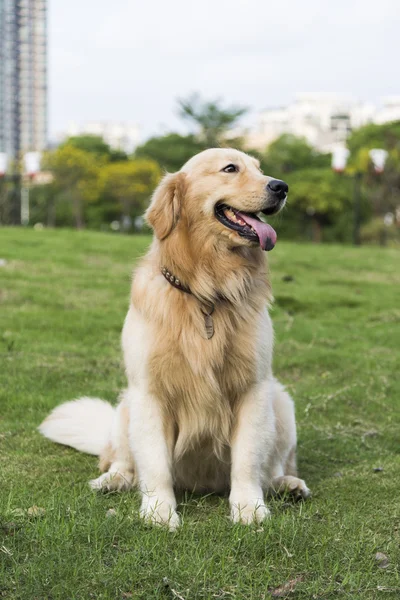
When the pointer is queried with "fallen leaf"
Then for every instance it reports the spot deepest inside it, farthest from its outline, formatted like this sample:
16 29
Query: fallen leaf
127 594
111 513
168 587
382 560
371 433
36 511
10 528
287 588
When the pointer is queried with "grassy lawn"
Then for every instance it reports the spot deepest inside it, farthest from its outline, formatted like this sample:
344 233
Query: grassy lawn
63 297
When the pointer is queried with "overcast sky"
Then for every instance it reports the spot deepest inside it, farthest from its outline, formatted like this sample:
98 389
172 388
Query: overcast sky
129 60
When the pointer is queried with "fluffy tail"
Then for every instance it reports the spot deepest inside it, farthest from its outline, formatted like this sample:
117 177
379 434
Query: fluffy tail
84 424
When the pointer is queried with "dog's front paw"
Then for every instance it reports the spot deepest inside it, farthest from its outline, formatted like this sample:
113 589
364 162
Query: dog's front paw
159 512
248 512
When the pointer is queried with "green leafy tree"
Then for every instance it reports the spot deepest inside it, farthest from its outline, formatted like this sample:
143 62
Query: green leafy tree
213 124
290 153
131 183
170 151
95 144
77 175
362 140
43 200
320 198
5 207
382 190
385 136
212 121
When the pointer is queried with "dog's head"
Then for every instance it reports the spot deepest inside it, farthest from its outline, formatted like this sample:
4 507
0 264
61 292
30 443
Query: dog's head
219 192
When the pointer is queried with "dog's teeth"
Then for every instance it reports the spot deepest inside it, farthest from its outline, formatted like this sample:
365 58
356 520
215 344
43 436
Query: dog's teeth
232 216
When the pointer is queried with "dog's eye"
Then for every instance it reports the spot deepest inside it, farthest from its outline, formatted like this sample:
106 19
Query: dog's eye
230 169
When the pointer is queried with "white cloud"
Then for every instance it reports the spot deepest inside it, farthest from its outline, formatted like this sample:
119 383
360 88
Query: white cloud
129 60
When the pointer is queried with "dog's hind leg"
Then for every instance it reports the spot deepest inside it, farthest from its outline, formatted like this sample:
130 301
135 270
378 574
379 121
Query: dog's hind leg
284 471
116 460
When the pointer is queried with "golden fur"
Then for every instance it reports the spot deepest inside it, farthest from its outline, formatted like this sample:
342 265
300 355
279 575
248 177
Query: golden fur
200 381
203 392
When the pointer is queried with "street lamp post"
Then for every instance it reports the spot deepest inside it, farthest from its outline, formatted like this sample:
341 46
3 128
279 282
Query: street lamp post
10 196
357 208
3 170
21 179
340 157
3 163
31 168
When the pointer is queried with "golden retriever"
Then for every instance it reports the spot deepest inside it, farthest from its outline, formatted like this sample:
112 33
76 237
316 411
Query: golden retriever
202 410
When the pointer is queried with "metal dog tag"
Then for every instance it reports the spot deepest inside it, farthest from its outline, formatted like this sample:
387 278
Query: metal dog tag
208 321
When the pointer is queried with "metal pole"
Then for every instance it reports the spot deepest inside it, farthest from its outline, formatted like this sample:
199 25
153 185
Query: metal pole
24 205
14 199
357 208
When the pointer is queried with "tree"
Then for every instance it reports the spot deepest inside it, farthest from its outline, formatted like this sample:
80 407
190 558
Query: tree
77 174
212 121
213 124
383 190
95 144
131 183
385 136
361 141
320 197
290 153
170 151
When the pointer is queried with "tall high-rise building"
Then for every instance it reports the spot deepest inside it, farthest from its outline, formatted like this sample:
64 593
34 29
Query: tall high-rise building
23 77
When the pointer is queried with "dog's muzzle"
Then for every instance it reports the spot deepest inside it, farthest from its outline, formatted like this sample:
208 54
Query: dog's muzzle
277 193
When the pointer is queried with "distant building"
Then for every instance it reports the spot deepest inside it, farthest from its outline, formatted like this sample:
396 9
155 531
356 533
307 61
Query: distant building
390 110
118 135
23 76
324 120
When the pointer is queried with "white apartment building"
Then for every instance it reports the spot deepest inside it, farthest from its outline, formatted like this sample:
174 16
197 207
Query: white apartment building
324 120
390 110
118 135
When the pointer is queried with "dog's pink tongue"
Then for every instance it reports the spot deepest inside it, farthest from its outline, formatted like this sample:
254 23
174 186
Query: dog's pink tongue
266 233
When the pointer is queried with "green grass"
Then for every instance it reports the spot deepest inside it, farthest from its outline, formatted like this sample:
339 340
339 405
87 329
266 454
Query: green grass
63 297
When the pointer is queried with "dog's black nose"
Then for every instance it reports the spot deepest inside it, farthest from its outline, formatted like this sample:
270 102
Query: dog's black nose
278 187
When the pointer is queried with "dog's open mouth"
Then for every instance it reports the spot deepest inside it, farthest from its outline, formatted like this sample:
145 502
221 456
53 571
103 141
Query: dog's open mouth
248 225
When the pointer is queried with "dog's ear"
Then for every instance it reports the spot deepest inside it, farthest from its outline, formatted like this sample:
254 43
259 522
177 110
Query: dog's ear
165 206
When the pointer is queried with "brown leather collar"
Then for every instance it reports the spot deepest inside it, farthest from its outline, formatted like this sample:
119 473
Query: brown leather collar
175 281
207 308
